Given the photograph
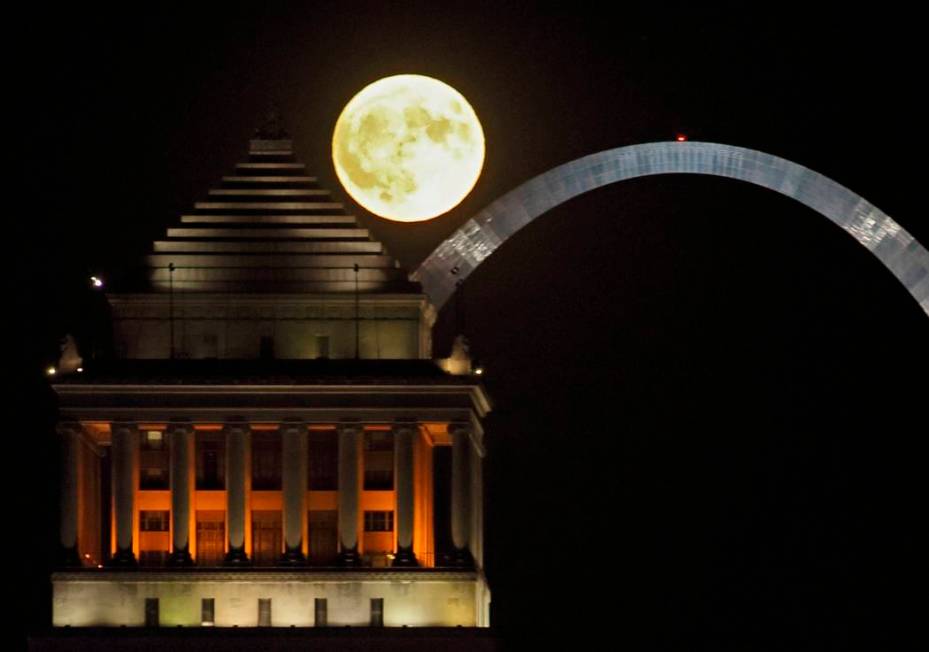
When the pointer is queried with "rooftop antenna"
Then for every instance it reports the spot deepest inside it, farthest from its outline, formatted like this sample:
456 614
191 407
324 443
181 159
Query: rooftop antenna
357 317
171 304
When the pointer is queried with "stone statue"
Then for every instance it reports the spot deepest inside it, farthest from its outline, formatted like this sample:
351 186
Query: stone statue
70 359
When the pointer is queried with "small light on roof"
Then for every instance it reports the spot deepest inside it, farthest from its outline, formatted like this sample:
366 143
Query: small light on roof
51 371
96 281
479 370
681 138
80 370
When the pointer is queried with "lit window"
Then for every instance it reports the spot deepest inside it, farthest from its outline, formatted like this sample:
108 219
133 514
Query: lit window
379 521
154 520
378 461
153 461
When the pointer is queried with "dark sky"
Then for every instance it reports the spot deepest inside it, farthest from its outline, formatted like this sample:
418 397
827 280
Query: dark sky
710 401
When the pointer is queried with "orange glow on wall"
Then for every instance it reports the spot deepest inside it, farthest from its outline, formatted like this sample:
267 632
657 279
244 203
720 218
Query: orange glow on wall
423 544
429 435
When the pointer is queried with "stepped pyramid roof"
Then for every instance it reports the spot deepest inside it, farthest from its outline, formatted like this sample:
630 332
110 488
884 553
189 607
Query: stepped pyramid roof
270 228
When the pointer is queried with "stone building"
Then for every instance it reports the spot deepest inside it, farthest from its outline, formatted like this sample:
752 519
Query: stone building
273 444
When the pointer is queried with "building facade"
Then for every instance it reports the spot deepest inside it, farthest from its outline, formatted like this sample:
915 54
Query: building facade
273 444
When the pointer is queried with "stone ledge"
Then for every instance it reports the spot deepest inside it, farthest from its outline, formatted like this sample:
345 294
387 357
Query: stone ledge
253 575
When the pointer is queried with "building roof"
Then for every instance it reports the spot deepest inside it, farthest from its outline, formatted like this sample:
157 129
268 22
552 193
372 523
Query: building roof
264 372
270 228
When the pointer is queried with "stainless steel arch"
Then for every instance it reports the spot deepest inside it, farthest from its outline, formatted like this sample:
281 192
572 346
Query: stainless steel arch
459 255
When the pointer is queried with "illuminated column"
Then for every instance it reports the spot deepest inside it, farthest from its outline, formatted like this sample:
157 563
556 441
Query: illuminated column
238 440
349 492
125 448
70 438
403 463
294 453
180 437
461 487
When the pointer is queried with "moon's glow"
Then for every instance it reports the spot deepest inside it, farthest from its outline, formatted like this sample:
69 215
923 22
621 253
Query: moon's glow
408 148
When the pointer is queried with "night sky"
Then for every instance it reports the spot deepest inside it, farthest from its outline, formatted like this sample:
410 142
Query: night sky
710 402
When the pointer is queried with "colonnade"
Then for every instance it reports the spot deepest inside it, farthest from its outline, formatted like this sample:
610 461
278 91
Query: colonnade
294 457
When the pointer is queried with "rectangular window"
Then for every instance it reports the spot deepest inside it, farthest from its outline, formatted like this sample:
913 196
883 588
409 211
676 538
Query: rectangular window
321 608
266 537
377 612
211 460
379 521
266 461
154 520
151 612
264 612
266 348
211 537
207 612
153 460
210 345
378 461
323 536
322 346
323 462
154 543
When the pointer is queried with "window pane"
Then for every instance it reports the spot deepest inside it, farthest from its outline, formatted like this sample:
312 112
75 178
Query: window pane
266 461
378 461
379 521
211 460
154 521
323 462
266 537
153 461
211 537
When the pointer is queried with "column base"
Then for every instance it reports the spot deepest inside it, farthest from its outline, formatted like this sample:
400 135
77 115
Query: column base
123 559
237 557
405 558
293 557
350 557
460 558
180 558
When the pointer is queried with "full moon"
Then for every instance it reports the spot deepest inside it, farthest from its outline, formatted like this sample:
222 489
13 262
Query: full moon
408 148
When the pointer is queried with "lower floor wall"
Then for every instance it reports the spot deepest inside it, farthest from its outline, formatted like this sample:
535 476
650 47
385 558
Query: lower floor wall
351 598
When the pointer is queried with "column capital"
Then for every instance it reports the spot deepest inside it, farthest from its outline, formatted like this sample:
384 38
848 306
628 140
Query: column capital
65 428
405 426
460 428
180 426
236 427
349 427
292 427
124 426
